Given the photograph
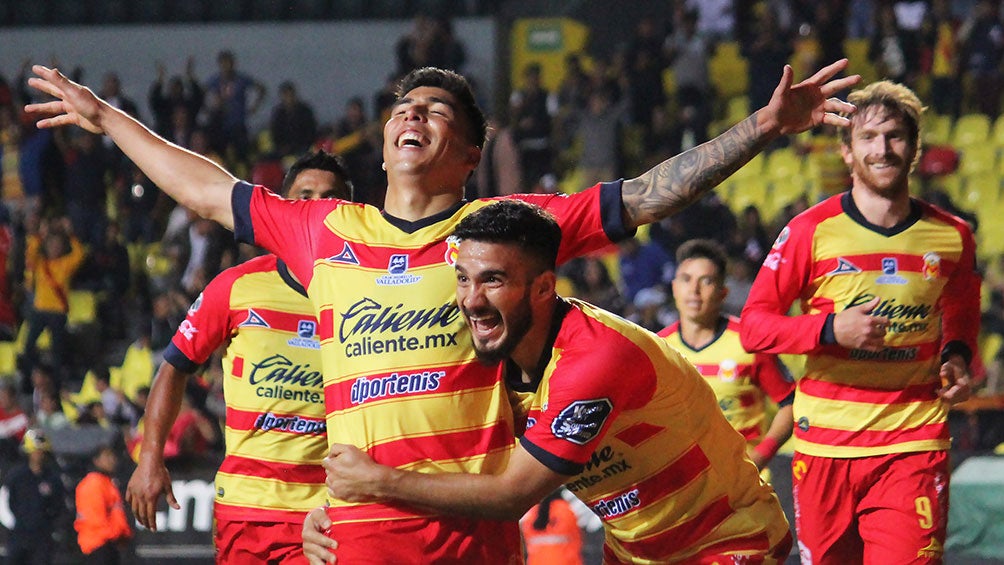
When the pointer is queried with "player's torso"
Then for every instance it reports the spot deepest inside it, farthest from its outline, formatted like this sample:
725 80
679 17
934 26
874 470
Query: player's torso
275 428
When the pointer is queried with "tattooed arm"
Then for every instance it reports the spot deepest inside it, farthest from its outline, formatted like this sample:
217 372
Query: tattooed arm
679 181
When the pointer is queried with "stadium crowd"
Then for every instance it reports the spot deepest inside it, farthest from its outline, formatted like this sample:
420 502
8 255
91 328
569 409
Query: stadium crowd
101 266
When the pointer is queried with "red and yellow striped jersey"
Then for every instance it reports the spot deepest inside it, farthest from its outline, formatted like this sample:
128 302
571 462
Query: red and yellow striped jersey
401 378
648 449
853 402
739 379
275 427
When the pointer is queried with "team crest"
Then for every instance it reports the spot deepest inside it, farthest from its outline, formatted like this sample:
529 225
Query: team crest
345 256
254 319
397 272
844 267
452 248
890 272
727 371
932 266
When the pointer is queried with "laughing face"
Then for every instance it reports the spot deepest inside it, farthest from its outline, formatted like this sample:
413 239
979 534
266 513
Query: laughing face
880 153
493 292
427 134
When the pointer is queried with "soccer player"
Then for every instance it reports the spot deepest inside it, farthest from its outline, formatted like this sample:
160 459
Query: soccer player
620 418
710 340
275 429
889 317
401 378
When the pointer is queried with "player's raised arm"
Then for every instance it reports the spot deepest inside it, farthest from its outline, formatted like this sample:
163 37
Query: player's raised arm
681 180
194 181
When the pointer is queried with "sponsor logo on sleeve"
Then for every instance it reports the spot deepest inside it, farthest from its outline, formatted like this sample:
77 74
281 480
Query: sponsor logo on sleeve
195 305
187 329
581 421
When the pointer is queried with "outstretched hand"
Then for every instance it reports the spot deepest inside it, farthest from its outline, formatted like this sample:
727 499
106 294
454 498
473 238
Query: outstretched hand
75 105
810 103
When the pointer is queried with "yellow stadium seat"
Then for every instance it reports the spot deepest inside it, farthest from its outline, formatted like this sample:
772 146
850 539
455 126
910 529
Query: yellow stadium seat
982 192
728 70
135 372
737 109
997 133
83 307
989 344
859 63
977 158
936 129
783 163
8 358
953 185
88 391
970 129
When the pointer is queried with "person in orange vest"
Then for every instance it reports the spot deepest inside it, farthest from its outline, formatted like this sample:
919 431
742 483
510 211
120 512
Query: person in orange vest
551 533
101 522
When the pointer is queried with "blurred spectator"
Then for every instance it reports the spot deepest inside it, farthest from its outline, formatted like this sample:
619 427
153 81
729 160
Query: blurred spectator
572 97
293 125
688 53
108 273
85 192
101 524
50 415
11 186
714 19
891 49
768 49
140 205
643 265
689 131
940 57
53 256
8 313
860 19
184 93
531 126
644 64
751 239
709 218
430 43
36 501
169 310
358 141
982 40
739 280
13 423
551 532
232 97
594 284
499 171
111 91
599 135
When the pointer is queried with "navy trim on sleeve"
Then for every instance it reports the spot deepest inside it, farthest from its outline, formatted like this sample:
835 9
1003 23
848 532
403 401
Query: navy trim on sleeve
956 347
240 205
551 461
612 210
787 400
181 362
828 336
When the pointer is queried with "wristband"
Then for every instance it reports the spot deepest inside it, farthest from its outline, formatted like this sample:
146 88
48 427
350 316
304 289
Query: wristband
767 448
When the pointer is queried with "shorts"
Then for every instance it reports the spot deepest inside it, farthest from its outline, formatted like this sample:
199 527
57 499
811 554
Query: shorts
881 509
439 540
241 542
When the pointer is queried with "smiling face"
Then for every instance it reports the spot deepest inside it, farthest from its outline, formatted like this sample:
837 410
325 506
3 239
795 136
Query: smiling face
494 289
699 291
427 135
880 151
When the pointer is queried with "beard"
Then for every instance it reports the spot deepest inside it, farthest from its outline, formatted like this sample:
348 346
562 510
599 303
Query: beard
881 184
516 326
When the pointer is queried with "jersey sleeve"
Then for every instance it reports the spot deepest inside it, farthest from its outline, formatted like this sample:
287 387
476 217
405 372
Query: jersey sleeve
590 220
587 390
765 325
206 327
960 301
284 227
772 376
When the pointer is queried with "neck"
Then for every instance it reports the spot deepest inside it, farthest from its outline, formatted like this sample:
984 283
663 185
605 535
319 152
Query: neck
883 210
527 354
410 200
698 333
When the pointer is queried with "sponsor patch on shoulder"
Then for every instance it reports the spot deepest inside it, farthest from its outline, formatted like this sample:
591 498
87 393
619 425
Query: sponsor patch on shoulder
582 420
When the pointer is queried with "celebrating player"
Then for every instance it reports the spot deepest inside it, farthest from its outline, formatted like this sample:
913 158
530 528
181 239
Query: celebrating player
401 378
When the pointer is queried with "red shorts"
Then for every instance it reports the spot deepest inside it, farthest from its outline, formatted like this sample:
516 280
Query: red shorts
439 540
882 509
241 542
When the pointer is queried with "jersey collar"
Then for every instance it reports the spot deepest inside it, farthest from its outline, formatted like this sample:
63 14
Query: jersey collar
287 277
851 209
412 227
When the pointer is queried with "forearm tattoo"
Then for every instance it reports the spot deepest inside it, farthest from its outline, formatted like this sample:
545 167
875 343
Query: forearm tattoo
683 179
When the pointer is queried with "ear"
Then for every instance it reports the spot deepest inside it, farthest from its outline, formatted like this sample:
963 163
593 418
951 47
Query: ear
845 152
725 292
474 156
543 287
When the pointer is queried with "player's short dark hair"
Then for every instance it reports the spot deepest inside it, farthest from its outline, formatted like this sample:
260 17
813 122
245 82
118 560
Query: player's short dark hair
321 160
509 221
455 84
704 249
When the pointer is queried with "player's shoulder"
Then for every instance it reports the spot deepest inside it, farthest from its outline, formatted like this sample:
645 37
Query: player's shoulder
939 214
669 330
